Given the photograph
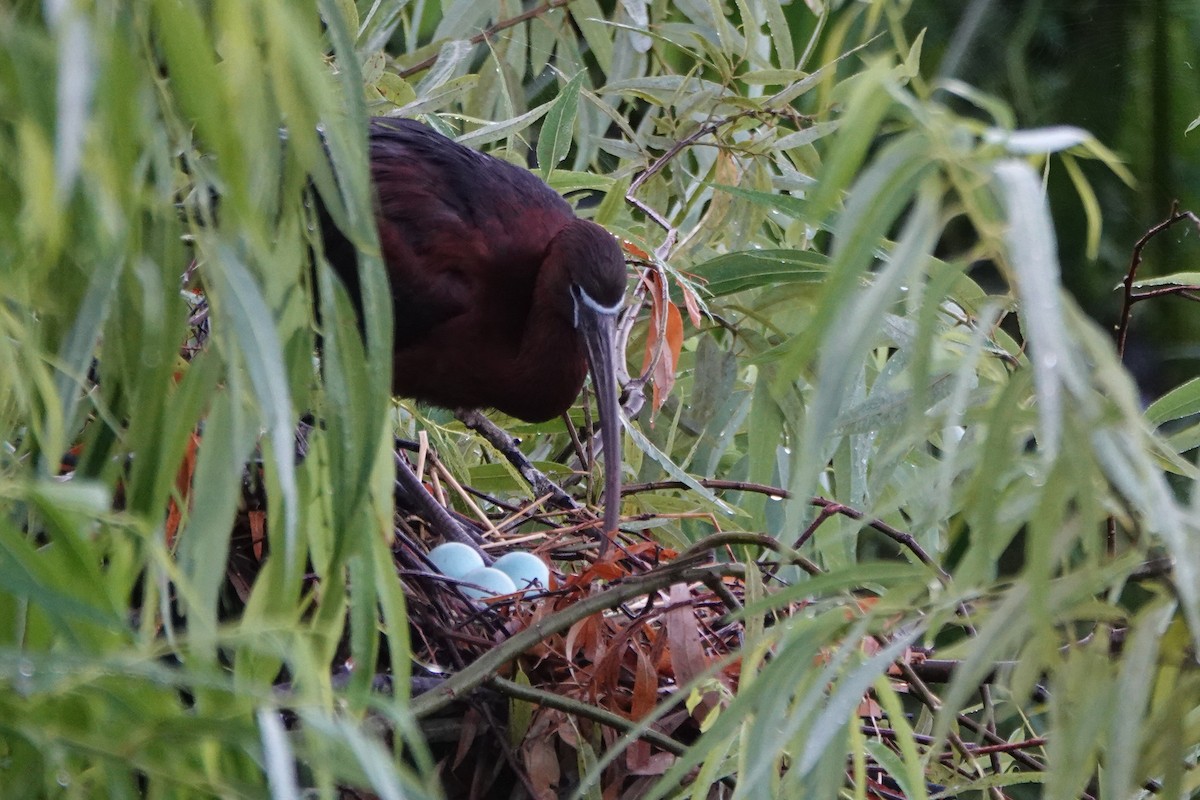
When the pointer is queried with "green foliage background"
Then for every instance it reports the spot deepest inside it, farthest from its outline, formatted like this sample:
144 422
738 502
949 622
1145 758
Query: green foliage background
886 327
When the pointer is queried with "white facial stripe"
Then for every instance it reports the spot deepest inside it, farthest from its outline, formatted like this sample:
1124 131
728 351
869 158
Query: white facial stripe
600 309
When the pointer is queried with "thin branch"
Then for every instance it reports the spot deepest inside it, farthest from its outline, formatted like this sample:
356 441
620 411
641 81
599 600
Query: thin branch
1026 760
825 513
727 539
1008 747
718 587
508 447
905 539
434 513
488 33
933 703
1135 261
658 164
709 483
1184 290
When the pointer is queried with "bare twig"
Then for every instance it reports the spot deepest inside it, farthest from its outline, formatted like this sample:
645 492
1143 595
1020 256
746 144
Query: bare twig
508 447
729 538
898 536
1187 291
488 33
435 513
708 483
1135 261
657 165
1009 747
932 702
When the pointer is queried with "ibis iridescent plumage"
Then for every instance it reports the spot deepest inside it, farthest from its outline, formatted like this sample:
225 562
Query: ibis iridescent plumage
502 297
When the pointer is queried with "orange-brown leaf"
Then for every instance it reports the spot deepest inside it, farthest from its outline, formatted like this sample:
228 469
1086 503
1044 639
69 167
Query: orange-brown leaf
664 370
634 250
692 304
183 485
664 340
258 531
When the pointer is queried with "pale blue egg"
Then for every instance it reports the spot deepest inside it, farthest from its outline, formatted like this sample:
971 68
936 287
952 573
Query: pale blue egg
492 580
455 559
526 570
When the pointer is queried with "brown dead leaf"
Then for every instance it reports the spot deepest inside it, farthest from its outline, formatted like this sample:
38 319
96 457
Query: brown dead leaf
645 693
470 727
867 707
664 340
580 638
687 650
539 756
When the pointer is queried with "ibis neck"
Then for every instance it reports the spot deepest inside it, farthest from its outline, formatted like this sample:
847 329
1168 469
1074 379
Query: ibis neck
549 367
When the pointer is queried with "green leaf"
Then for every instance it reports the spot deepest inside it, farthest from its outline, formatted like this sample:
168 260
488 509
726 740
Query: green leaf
558 131
1174 279
1182 401
672 469
751 269
249 324
1033 254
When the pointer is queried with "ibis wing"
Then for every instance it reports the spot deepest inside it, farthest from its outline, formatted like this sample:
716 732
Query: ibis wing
453 224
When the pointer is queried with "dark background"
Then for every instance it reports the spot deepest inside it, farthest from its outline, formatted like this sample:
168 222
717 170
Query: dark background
1129 72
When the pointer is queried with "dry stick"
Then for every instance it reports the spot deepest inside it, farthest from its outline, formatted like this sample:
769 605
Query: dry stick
726 539
436 514
1008 747
576 442
989 719
825 513
718 587
931 701
674 150
507 445
657 165
1021 756
440 469
1185 290
524 512
892 735
488 33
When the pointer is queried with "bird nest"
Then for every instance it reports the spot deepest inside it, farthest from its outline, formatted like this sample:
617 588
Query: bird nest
528 687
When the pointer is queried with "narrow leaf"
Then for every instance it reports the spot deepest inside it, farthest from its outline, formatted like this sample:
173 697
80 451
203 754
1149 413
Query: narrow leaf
558 130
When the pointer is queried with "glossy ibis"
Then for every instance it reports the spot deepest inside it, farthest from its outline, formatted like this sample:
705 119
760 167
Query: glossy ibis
502 297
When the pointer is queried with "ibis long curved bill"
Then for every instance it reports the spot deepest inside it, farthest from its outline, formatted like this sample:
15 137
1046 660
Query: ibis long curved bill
596 324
